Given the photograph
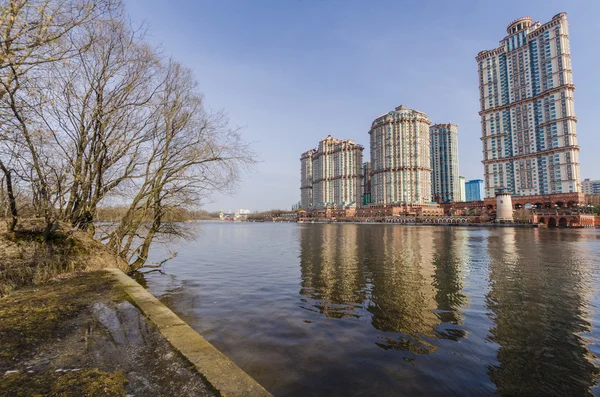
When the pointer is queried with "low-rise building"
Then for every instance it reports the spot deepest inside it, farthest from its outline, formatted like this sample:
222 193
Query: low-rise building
590 187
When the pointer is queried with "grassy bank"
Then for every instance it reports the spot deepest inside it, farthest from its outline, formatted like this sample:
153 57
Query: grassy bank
26 259
37 316
78 335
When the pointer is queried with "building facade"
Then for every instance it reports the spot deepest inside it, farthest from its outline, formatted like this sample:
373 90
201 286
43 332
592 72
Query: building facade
590 187
366 183
474 190
306 177
463 188
445 184
527 112
336 173
400 158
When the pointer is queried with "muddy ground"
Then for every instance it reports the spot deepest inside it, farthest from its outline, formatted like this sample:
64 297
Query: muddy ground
80 336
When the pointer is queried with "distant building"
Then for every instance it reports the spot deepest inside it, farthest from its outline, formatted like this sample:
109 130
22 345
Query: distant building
366 183
400 158
306 177
527 111
463 188
474 190
334 175
590 187
445 184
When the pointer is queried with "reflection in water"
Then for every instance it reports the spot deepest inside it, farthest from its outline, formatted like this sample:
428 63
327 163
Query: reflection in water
331 271
408 283
538 315
449 255
388 310
401 268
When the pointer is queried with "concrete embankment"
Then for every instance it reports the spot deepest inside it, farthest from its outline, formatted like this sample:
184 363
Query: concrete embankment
219 371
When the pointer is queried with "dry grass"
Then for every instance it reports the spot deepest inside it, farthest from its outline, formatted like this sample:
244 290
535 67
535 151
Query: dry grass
35 315
93 382
26 259
38 316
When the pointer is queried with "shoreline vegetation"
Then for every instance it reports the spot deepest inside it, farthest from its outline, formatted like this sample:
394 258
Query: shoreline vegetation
92 114
93 117
27 258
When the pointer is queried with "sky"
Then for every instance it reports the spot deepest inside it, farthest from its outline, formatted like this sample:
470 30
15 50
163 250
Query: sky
291 72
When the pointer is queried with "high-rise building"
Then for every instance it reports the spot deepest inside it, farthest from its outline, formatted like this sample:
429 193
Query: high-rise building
474 190
590 187
445 185
463 189
400 158
527 114
306 177
366 182
335 174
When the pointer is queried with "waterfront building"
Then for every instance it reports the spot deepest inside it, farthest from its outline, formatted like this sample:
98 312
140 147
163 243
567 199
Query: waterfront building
445 183
335 174
527 112
306 177
590 187
504 209
463 188
366 173
400 158
474 190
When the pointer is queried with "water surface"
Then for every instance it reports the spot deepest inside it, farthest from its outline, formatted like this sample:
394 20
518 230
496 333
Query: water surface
387 310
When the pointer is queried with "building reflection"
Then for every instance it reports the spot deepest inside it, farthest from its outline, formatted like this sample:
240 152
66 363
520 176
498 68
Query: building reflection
407 282
538 299
450 253
332 274
403 297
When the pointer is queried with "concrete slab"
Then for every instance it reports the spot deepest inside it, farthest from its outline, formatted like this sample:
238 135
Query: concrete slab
222 373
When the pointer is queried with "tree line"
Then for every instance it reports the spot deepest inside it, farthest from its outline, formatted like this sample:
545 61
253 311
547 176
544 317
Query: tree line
89 110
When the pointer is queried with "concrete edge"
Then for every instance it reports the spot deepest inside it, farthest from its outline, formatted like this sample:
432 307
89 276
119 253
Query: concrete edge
220 372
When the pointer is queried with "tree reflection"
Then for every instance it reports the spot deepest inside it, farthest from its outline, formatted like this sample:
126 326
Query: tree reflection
537 298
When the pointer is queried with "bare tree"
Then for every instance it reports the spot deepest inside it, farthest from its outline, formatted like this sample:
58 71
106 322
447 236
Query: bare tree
193 153
88 110
34 33
99 114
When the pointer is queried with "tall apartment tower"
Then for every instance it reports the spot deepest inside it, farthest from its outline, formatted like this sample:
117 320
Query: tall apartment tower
445 184
463 188
527 114
306 177
400 158
366 183
336 172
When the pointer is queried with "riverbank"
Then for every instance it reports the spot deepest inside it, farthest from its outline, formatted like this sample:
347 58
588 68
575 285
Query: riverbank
517 225
26 259
72 323
80 335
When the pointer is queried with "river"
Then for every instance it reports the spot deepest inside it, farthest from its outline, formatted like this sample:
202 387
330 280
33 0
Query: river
388 310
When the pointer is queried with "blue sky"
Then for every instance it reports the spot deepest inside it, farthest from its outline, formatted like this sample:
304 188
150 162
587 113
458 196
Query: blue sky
291 72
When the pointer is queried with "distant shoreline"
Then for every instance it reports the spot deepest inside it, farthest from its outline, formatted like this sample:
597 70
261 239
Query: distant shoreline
518 225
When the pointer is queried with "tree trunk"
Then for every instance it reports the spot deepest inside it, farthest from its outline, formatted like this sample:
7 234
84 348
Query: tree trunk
12 202
145 247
